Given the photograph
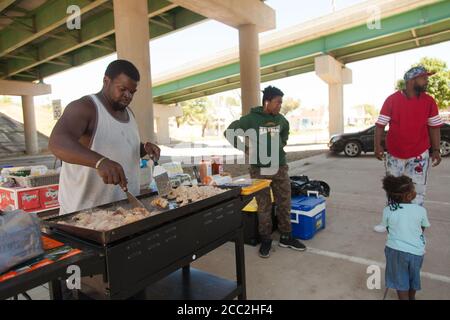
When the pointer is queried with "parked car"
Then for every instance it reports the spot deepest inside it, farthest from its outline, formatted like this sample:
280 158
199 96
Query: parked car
354 143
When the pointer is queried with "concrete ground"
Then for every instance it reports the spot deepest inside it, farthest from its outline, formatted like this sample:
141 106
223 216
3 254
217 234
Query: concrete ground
335 264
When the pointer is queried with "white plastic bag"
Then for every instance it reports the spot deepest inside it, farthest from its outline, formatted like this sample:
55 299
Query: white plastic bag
20 238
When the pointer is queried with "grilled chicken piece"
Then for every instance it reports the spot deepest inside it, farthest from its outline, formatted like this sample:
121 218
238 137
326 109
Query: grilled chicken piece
160 202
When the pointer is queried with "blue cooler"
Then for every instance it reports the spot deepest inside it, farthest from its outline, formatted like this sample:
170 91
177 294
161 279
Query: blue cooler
307 216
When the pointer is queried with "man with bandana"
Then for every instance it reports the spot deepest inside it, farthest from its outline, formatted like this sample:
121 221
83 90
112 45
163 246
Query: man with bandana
414 128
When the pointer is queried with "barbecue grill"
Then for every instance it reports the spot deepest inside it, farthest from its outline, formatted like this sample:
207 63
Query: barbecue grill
140 253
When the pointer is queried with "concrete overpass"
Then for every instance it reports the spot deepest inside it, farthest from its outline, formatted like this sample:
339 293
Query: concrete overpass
323 45
39 38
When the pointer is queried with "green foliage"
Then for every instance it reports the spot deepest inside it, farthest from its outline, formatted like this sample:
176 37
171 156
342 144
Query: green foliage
5 99
289 104
370 110
196 111
232 101
438 84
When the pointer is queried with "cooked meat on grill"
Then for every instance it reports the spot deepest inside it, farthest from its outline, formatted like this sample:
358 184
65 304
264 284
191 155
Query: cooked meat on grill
184 195
104 220
160 202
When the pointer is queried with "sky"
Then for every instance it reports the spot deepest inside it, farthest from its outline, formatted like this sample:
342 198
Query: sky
373 79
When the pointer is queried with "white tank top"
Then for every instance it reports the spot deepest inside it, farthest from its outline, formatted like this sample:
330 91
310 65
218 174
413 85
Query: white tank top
80 187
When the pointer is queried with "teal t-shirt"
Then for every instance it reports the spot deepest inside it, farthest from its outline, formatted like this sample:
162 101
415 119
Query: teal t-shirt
405 228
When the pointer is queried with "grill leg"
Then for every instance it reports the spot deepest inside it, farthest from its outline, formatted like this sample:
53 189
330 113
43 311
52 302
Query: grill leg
55 289
240 263
385 293
26 296
186 275
186 270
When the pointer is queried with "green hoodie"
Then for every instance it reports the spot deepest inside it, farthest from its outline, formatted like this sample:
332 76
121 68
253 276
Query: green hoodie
264 125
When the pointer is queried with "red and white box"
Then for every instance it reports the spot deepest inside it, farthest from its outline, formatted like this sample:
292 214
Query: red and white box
29 199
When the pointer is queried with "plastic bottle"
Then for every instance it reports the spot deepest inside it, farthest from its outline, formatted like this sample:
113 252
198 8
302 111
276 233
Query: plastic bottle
146 175
6 171
202 170
38 170
196 174
205 170
143 163
217 166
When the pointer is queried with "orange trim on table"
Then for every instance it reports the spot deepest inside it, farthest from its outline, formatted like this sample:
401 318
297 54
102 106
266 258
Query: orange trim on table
8 276
40 264
71 253
49 243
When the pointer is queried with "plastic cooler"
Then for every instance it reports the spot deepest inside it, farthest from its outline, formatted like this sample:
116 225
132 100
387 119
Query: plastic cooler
307 215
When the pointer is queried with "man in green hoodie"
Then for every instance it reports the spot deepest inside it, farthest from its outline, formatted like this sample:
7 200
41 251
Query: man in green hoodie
264 129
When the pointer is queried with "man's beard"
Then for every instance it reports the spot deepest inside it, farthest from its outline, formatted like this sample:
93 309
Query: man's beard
419 89
117 106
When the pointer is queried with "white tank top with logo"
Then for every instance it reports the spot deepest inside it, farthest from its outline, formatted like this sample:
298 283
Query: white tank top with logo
81 187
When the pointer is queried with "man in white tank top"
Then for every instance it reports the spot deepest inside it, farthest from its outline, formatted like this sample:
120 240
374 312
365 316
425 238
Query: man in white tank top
97 139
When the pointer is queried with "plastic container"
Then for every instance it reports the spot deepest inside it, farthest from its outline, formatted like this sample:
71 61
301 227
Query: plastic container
173 168
146 175
5 172
143 163
185 179
205 170
308 216
20 171
36 181
38 170
221 180
216 166
250 186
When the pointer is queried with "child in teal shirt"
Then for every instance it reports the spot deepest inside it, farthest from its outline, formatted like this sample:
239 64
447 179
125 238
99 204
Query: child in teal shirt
405 245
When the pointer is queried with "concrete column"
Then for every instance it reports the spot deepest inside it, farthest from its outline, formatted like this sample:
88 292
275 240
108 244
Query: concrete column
162 115
132 43
336 108
29 122
249 67
335 74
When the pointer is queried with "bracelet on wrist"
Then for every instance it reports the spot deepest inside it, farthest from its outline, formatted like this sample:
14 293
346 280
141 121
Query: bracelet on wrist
99 162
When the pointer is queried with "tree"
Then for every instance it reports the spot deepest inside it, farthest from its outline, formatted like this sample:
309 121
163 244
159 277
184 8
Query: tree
370 113
6 99
196 111
438 84
370 110
232 101
289 104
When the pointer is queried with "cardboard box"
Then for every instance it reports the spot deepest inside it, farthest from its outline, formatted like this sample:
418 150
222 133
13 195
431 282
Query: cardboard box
29 199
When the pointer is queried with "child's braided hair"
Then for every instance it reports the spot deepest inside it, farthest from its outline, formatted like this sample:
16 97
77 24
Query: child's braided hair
395 188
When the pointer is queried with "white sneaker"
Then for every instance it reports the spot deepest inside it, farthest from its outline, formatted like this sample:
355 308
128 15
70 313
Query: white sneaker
379 228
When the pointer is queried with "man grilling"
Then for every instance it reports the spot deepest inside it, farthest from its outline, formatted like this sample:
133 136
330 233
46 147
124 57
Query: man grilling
98 141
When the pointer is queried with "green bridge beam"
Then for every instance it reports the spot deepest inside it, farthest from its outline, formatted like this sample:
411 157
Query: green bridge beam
360 38
94 29
43 20
179 19
5 3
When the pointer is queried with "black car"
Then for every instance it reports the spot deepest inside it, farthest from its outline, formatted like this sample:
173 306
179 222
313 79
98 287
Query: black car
354 143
